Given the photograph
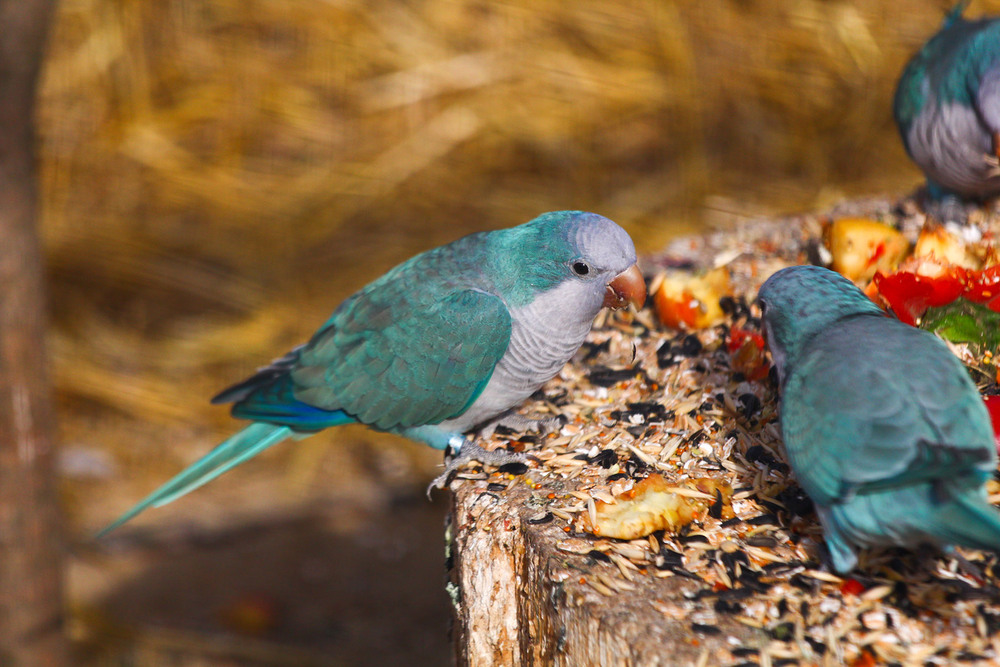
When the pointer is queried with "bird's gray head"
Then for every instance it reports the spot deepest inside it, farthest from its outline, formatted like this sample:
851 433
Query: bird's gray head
586 252
800 301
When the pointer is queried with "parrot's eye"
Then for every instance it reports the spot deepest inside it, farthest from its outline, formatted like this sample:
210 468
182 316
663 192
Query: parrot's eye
580 268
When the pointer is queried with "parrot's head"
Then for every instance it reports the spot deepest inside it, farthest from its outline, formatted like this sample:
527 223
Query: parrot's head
584 259
798 302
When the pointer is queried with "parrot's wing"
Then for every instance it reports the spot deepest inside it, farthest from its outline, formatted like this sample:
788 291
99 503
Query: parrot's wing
394 367
854 424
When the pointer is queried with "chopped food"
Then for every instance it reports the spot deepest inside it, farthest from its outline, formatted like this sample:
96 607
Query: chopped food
859 247
653 505
687 301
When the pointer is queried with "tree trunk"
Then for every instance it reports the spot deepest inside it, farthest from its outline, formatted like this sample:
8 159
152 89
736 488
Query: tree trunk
30 580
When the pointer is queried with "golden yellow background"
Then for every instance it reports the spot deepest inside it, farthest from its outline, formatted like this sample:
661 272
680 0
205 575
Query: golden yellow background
218 174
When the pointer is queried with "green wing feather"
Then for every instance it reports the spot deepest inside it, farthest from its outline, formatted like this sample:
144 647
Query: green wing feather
852 425
395 365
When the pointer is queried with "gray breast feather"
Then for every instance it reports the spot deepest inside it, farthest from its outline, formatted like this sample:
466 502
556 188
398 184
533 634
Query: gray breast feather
951 144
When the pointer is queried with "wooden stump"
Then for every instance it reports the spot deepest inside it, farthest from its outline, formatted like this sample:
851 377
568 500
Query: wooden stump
744 582
521 601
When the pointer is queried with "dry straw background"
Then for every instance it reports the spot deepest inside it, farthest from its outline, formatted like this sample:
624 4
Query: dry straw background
218 174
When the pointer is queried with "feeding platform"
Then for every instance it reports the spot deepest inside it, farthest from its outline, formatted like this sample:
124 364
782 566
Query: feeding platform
661 525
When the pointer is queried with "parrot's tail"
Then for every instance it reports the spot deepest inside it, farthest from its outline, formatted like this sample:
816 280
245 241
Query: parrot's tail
241 446
969 520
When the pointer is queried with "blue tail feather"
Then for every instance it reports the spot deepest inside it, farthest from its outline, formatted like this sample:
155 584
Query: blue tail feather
969 520
241 446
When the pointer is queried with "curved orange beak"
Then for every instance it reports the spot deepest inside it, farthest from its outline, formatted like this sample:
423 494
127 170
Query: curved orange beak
627 287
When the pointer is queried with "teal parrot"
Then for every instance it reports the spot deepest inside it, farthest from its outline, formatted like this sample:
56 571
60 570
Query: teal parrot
441 344
947 108
881 423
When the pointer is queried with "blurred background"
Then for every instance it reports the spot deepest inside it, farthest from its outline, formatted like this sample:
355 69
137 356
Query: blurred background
217 175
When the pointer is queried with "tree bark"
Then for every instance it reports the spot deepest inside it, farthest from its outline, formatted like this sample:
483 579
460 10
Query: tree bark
519 601
30 579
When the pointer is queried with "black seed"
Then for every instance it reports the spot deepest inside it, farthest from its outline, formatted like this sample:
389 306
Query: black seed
729 561
735 594
617 476
599 556
649 409
969 655
724 607
493 486
758 454
803 583
687 539
763 519
545 518
680 571
557 398
763 541
513 468
594 349
705 629
636 431
608 377
751 404
816 645
605 458
744 651
715 511
782 607
796 501
690 346
665 355
729 523
751 579
504 431
670 557
695 437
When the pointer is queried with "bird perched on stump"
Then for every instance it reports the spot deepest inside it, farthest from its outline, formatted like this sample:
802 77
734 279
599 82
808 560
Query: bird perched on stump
443 343
882 426
947 108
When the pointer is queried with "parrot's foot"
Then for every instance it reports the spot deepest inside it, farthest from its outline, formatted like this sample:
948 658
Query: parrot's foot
470 451
946 206
519 424
964 564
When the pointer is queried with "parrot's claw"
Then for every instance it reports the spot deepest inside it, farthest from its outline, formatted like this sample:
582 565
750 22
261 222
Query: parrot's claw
948 209
518 423
471 451
964 564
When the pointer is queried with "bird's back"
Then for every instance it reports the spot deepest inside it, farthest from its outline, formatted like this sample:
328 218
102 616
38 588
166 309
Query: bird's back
872 403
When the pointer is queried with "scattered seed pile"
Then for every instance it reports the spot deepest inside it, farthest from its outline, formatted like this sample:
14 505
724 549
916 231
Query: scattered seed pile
641 400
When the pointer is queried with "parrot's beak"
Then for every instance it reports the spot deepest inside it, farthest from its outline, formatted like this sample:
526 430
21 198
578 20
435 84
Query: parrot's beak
627 287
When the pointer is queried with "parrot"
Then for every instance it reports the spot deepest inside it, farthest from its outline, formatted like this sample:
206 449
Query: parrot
448 341
882 425
947 109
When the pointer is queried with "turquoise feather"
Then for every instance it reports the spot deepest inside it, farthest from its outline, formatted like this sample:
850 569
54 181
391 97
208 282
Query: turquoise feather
947 107
429 350
240 447
882 425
